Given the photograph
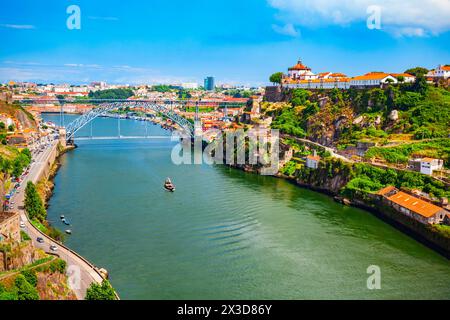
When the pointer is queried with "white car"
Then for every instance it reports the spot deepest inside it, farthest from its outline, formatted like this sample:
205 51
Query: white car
22 224
53 247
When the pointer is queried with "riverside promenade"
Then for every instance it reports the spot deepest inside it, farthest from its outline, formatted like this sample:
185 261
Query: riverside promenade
81 272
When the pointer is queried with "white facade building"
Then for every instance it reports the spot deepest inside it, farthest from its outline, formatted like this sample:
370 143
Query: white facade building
428 165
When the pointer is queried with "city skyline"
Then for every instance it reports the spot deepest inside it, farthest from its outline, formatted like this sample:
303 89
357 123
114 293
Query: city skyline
160 42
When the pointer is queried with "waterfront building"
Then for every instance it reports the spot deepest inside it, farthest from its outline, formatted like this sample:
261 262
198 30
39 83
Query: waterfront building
9 226
414 207
209 83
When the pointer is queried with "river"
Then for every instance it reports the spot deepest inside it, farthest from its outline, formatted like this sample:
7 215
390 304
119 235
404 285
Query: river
224 234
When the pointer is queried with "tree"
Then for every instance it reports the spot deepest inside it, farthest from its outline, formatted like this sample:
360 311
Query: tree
33 203
25 291
2 126
420 85
11 128
400 79
276 77
30 276
100 292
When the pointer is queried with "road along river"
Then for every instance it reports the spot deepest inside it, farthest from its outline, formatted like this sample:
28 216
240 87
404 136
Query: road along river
225 234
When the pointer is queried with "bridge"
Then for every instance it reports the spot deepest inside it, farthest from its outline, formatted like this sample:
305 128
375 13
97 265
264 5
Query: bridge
167 108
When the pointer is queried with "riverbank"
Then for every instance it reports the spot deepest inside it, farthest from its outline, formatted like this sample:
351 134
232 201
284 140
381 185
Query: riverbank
43 170
320 180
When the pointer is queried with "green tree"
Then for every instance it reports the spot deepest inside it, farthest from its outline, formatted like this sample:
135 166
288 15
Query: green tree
30 276
100 292
2 126
33 203
276 77
417 71
10 127
24 290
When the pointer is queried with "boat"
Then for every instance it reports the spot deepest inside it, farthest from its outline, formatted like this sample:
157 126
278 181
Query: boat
66 222
169 186
68 231
61 216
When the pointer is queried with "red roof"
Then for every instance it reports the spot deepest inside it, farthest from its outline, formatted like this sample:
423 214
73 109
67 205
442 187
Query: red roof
299 66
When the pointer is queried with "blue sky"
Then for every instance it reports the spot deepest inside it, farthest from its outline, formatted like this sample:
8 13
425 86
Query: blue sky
239 42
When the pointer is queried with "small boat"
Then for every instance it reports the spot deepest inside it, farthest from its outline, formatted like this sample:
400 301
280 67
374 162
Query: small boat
61 217
68 231
169 186
66 222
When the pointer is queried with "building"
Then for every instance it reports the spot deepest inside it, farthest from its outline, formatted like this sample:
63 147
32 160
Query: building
189 85
411 206
301 72
428 165
209 83
407 78
372 79
312 161
441 72
9 226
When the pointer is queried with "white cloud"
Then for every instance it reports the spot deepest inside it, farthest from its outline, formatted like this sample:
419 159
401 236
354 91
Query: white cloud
288 30
409 18
18 26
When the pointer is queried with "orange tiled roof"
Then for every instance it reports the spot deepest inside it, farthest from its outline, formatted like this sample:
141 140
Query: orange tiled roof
414 204
446 68
402 74
386 190
427 159
338 75
317 158
299 66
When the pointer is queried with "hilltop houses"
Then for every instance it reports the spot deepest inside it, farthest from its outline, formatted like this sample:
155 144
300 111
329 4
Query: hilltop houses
301 76
441 72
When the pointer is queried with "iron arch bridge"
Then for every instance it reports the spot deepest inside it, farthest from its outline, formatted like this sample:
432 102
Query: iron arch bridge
164 108
103 106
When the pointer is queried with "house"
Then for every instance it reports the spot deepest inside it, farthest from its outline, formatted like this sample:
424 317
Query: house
442 71
9 226
301 72
411 206
17 140
312 161
372 79
428 165
407 78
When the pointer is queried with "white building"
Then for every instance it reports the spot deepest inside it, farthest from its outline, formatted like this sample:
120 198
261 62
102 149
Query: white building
428 165
301 72
189 85
440 72
372 79
407 78
312 161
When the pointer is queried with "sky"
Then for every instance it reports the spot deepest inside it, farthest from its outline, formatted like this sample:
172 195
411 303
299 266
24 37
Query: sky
236 41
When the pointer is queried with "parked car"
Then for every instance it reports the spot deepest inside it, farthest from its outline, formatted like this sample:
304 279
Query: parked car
53 247
40 240
22 224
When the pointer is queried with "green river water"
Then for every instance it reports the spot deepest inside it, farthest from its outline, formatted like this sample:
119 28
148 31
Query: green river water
225 234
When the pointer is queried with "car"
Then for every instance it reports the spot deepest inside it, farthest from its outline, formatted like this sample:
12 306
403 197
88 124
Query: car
22 224
53 247
40 240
